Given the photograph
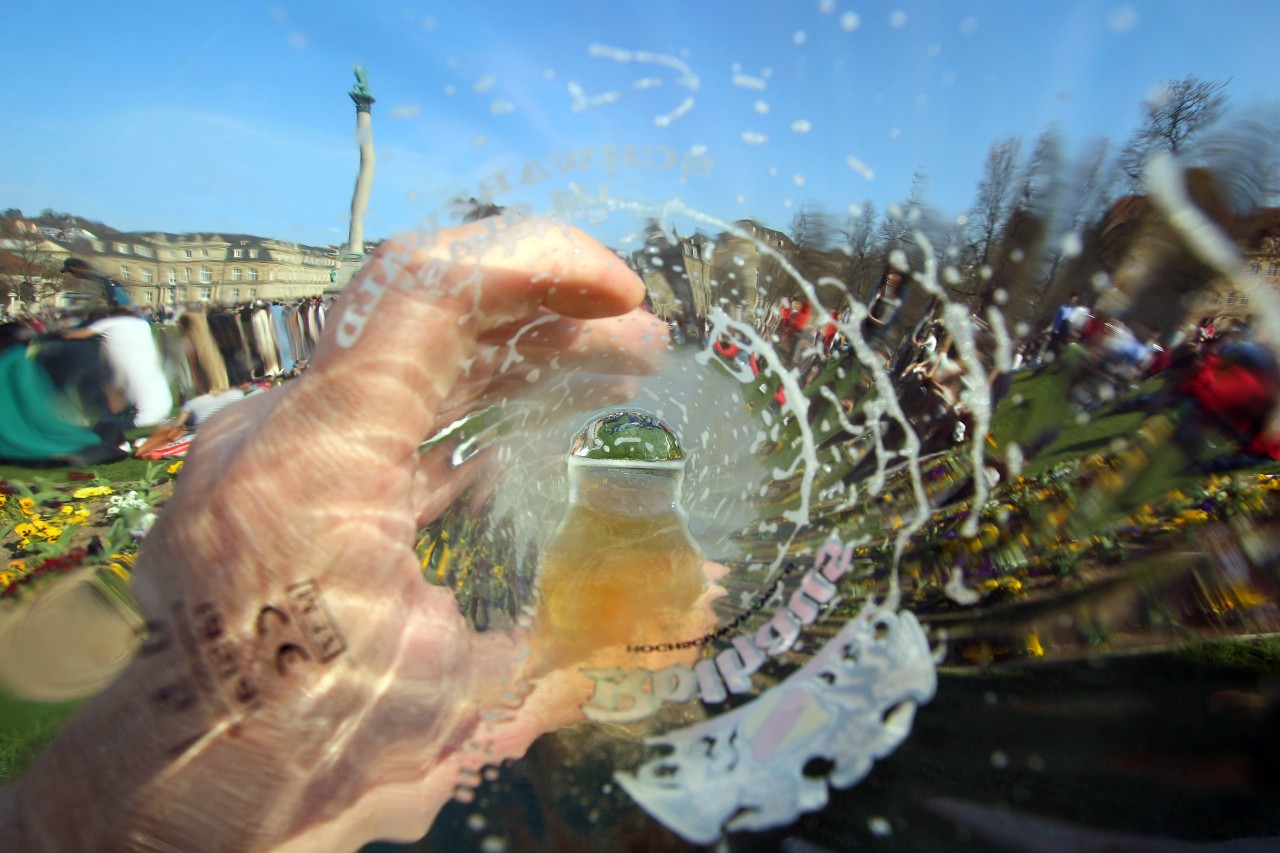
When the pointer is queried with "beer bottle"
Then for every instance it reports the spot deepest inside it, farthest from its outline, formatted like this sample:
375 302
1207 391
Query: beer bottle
621 569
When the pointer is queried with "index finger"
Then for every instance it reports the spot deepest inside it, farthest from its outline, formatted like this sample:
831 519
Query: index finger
408 323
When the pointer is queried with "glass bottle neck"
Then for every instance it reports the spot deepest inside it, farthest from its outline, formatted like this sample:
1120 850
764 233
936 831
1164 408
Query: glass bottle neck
629 489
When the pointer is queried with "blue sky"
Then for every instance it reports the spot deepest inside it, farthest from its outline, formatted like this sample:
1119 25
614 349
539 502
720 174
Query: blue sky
234 116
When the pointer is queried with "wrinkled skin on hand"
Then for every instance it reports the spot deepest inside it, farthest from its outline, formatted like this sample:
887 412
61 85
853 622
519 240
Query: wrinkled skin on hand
320 483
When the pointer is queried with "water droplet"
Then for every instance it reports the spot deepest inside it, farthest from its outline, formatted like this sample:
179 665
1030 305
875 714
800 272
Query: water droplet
753 138
879 826
862 169
476 822
801 126
799 37
762 107
999 759
493 844
849 21
898 19
1122 19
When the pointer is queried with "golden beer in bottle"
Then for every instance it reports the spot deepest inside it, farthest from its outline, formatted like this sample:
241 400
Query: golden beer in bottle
621 569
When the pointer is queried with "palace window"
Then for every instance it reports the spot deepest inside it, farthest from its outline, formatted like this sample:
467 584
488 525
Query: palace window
236 273
237 253
253 253
204 253
1231 298
186 274
186 253
205 293
173 276
124 272
150 297
253 275
122 248
253 293
146 276
235 294
1272 269
206 275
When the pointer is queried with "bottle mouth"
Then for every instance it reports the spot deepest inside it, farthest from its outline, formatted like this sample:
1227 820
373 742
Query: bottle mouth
617 462
627 436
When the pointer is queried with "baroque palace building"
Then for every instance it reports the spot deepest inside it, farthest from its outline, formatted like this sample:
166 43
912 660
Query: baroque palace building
173 269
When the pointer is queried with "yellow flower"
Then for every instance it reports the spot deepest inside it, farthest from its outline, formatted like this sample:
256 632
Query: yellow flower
3 499
92 492
122 564
7 578
175 467
51 533
26 504
18 565
81 512
65 509
25 530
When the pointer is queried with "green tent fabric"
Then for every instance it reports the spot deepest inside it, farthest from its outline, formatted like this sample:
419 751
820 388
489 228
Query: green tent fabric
31 428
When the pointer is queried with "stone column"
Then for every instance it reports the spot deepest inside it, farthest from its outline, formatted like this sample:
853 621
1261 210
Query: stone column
363 99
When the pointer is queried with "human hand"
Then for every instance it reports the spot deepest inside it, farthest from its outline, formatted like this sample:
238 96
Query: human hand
301 687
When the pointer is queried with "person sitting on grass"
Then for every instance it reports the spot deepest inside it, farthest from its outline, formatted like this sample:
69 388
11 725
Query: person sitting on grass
193 414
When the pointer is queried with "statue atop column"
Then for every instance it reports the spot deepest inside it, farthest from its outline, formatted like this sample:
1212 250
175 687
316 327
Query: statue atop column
360 92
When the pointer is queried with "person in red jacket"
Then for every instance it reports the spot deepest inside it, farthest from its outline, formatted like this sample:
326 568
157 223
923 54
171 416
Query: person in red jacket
1235 390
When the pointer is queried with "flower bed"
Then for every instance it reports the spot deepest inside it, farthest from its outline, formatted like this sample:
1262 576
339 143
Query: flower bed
47 529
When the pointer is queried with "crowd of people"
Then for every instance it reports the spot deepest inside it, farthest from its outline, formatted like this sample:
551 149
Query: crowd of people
1214 375
78 383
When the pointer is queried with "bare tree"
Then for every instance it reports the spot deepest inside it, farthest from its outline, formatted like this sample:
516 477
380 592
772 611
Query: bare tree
1171 118
865 261
1086 193
472 209
29 267
997 193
